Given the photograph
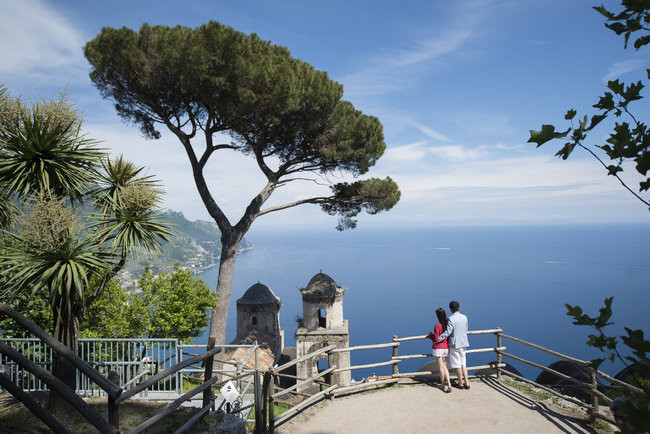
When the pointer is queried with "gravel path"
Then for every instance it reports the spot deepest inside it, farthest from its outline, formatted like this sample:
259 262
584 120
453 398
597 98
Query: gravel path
488 407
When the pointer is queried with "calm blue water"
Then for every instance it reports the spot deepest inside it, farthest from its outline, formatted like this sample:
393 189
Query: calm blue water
515 278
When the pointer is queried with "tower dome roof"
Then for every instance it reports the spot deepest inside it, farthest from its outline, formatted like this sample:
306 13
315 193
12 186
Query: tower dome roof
322 285
258 294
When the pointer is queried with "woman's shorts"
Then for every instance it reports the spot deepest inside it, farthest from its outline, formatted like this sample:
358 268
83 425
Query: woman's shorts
457 358
441 352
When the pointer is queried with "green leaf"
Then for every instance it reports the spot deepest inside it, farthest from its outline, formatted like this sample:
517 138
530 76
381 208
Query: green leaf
615 86
595 120
601 9
613 170
605 313
632 92
566 150
606 102
570 114
640 42
596 363
546 134
617 27
636 341
644 185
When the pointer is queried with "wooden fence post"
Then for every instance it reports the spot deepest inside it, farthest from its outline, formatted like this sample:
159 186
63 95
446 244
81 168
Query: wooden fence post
271 404
114 409
395 369
265 398
209 363
259 423
594 397
499 356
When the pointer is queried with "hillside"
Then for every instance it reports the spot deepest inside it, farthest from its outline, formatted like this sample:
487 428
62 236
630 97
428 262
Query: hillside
196 246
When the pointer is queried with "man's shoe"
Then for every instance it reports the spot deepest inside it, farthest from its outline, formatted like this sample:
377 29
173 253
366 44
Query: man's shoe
466 387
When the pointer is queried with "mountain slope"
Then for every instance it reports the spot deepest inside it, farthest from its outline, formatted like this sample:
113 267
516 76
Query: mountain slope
196 245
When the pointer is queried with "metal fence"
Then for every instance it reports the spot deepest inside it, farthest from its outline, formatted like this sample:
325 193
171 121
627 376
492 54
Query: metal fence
134 360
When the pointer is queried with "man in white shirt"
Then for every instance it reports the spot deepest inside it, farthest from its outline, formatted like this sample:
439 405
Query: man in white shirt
458 342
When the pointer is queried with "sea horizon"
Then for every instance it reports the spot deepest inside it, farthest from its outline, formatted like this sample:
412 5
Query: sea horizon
517 278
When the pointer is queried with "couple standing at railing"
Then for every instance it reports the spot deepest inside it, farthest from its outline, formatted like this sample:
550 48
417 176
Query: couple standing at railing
450 338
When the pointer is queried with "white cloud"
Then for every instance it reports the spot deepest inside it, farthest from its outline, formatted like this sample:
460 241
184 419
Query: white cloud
620 68
399 68
428 131
420 150
38 43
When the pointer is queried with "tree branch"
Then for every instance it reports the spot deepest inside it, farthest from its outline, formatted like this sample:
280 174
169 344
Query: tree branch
210 148
614 174
197 170
292 204
102 285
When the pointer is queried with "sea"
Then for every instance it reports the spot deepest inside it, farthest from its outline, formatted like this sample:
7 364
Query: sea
516 278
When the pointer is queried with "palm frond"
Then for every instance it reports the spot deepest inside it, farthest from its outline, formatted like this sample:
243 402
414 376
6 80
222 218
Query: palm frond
117 174
39 155
62 273
130 232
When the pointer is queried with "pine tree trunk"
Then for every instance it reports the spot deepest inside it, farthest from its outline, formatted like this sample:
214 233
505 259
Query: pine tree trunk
66 331
219 318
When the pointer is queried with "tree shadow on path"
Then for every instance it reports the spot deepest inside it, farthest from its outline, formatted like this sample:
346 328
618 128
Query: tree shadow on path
564 423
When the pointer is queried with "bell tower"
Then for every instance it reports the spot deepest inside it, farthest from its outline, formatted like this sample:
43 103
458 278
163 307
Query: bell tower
323 325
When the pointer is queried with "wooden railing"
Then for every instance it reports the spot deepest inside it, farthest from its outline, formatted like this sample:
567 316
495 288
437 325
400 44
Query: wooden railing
271 378
90 414
116 395
498 365
590 388
270 394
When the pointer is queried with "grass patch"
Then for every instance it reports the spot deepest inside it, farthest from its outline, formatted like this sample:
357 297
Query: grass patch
601 426
531 391
190 384
14 417
278 409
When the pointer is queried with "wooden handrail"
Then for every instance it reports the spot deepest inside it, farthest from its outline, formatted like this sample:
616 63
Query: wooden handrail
61 388
619 382
356 387
300 359
552 371
485 332
470 332
284 416
469 368
162 374
174 405
548 389
546 350
366 347
32 405
298 384
112 389
426 355
371 365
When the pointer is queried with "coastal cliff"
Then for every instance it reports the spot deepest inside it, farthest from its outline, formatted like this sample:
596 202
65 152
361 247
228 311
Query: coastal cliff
196 245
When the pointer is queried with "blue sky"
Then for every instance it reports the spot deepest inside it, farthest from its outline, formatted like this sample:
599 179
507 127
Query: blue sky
457 85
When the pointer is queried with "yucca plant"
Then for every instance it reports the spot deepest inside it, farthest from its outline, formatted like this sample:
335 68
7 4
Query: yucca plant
47 165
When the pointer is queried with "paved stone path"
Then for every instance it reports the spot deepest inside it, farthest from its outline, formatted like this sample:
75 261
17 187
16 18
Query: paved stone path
488 407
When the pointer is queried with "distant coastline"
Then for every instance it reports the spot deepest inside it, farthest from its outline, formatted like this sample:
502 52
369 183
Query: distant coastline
216 262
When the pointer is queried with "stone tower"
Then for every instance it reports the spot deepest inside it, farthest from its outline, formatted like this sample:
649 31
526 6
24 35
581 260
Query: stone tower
323 325
259 309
